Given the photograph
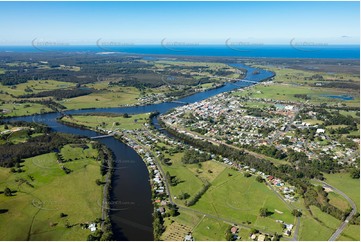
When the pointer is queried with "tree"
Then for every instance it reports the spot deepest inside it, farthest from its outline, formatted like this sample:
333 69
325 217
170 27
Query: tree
247 174
7 192
173 210
259 179
98 182
355 173
254 231
263 212
296 213
91 238
276 236
229 234
184 195
67 225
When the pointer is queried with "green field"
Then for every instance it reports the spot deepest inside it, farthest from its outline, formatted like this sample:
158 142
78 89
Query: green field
343 181
286 92
310 229
338 201
135 121
352 232
312 121
289 82
102 99
351 113
23 109
326 219
288 75
210 66
36 87
33 212
239 199
189 182
18 136
231 196
320 229
210 229
351 187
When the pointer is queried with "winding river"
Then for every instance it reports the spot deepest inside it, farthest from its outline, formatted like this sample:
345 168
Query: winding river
131 205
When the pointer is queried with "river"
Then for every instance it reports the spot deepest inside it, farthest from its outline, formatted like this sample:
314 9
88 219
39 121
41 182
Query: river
131 205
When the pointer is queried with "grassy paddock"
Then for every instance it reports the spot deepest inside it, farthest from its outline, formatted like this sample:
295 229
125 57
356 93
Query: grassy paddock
210 229
352 232
135 121
23 109
239 199
34 212
343 181
36 87
338 201
102 99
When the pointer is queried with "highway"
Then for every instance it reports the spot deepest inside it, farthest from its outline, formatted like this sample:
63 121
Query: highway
337 233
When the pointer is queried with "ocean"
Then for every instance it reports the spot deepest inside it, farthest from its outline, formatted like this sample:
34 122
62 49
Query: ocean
266 51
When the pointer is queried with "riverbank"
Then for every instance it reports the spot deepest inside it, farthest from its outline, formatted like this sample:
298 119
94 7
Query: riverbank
71 171
131 179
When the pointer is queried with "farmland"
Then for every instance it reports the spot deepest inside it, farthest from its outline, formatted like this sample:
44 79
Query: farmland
351 187
320 87
287 92
33 211
103 98
134 82
345 183
36 87
23 109
243 203
107 122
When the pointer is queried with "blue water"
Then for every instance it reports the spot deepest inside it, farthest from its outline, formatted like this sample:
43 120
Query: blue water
342 97
131 183
273 51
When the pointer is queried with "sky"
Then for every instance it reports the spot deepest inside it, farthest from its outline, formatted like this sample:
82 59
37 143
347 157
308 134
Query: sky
180 22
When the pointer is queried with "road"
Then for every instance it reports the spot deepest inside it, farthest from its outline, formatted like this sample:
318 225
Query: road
287 128
290 206
198 136
158 165
216 142
344 223
295 234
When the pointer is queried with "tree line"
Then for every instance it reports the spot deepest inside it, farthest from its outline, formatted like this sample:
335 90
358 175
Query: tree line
298 175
